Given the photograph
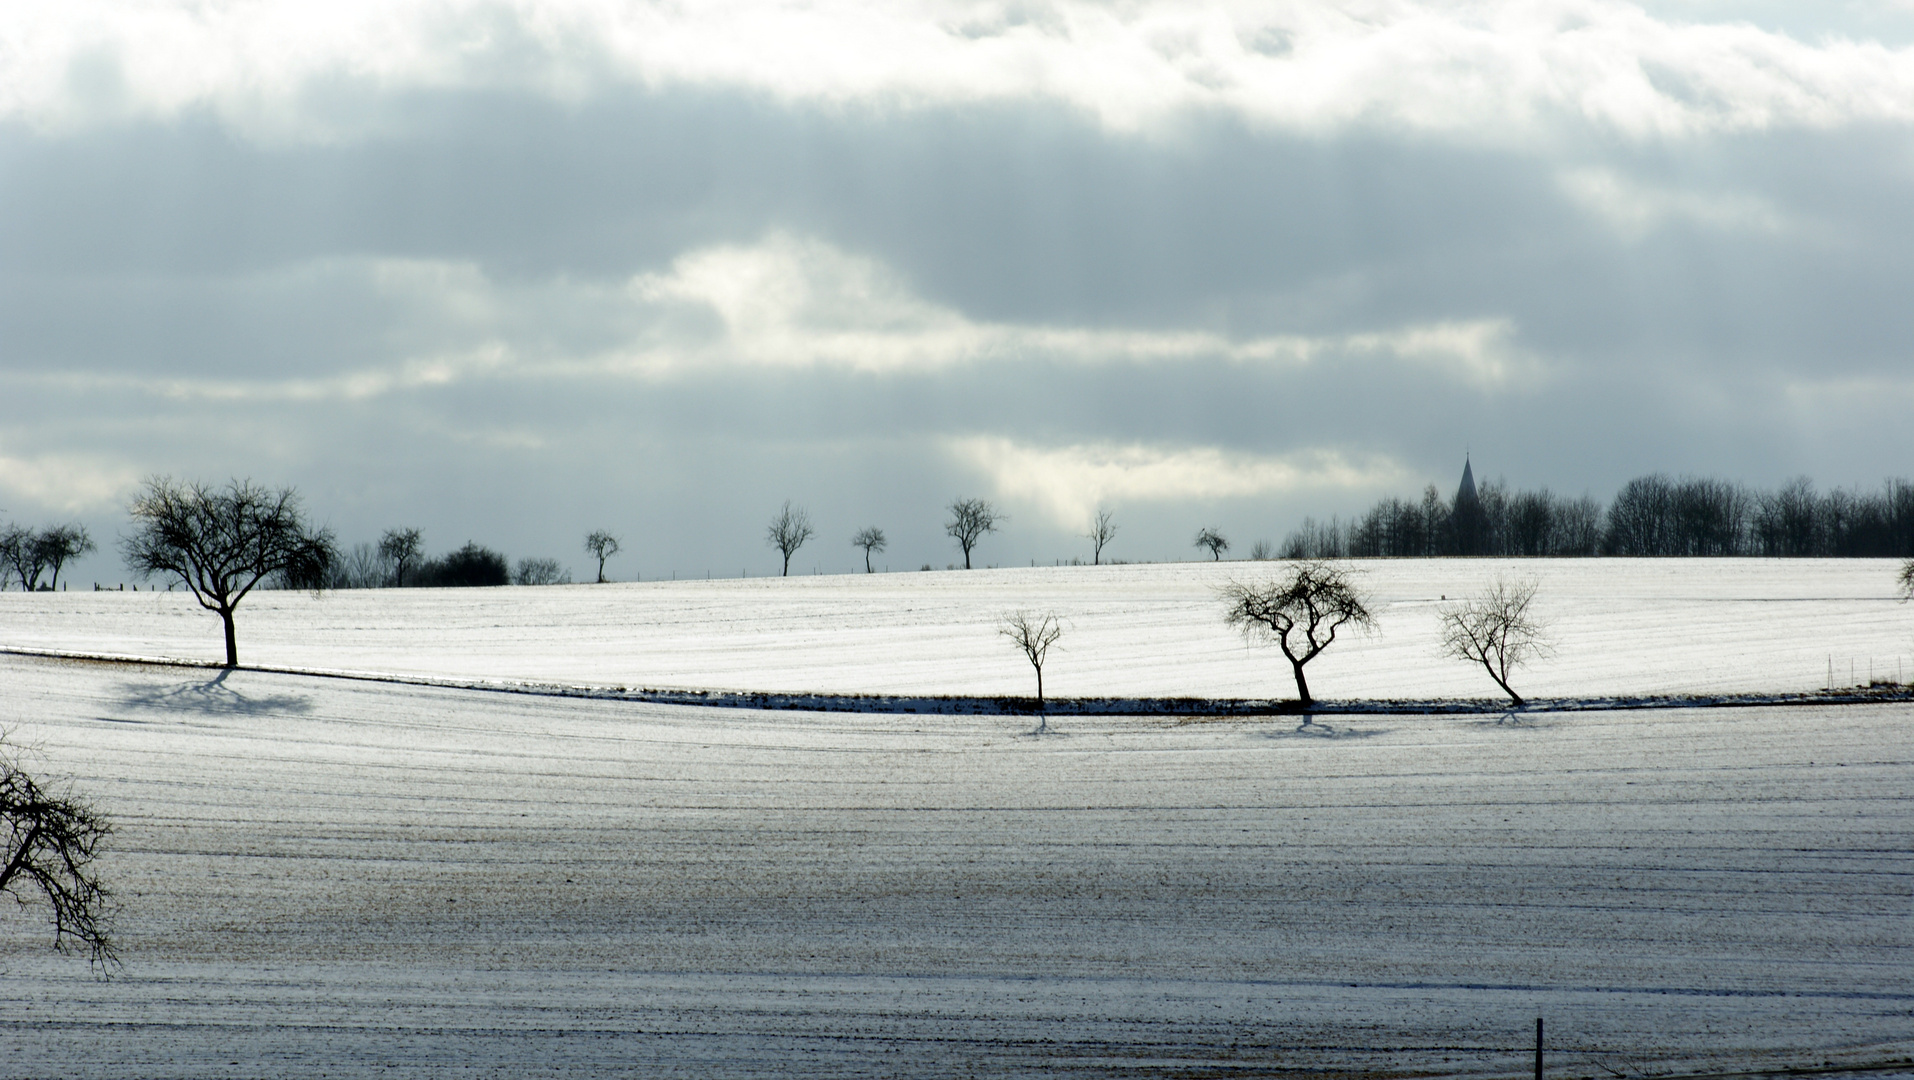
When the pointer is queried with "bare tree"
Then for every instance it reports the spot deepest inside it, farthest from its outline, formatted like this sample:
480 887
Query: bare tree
221 542
969 520
402 547
541 572
1301 611
870 539
1208 537
1034 634
788 532
360 568
60 543
603 545
21 556
1496 629
51 842
1904 582
1103 529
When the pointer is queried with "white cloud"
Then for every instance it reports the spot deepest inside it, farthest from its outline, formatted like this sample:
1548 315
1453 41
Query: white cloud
793 302
1635 210
1068 483
786 302
66 483
1491 69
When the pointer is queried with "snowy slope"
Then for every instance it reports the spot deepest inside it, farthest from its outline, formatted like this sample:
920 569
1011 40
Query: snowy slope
1621 627
354 879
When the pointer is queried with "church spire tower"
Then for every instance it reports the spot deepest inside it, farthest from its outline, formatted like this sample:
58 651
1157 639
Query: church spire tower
1468 523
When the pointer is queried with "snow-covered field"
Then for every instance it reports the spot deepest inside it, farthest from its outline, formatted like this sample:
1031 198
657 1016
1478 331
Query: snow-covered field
1621 626
352 878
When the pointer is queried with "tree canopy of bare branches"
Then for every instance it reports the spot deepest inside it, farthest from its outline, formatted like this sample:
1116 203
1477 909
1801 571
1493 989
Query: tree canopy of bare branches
1034 633
1207 537
402 547
870 539
1301 611
222 542
969 520
1497 629
788 532
602 545
21 556
51 843
59 544
1103 529
1904 582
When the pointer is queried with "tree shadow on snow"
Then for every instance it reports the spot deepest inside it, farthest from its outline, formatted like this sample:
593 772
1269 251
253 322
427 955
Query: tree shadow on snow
1321 729
212 697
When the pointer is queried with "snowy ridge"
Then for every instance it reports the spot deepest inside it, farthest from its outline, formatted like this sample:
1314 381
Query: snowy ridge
1012 705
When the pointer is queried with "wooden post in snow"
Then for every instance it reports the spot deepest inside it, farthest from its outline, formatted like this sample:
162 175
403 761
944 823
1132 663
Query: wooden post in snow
1538 1048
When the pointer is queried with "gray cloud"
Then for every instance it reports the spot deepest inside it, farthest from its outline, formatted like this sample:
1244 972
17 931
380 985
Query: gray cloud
514 311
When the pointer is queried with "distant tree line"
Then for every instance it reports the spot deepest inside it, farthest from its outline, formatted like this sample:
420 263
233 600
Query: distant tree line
398 561
1653 515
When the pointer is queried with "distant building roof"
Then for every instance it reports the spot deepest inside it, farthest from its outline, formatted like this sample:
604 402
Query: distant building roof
1466 493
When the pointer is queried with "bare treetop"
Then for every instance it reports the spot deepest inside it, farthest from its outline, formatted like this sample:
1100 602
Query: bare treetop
22 557
788 532
403 547
603 545
1103 529
1208 537
969 520
1033 633
870 539
1497 629
222 542
59 544
51 842
1300 611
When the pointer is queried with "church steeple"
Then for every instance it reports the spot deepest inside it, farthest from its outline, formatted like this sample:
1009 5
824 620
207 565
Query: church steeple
1469 523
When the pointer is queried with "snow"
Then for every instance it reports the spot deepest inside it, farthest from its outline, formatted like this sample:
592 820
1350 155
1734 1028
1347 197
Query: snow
348 878
1621 627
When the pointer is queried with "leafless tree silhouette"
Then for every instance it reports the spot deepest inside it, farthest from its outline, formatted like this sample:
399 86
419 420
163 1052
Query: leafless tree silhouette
1301 611
788 532
1904 581
21 557
60 543
969 520
1103 529
603 545
402 547
1034 633
1207 537
870 539
535 571
1497 629
51 842
221 542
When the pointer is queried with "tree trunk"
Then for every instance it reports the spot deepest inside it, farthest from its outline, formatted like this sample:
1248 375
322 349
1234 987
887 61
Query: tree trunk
1302 685
232 638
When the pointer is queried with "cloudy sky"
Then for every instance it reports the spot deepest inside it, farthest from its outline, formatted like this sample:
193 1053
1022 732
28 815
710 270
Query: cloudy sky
512 271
